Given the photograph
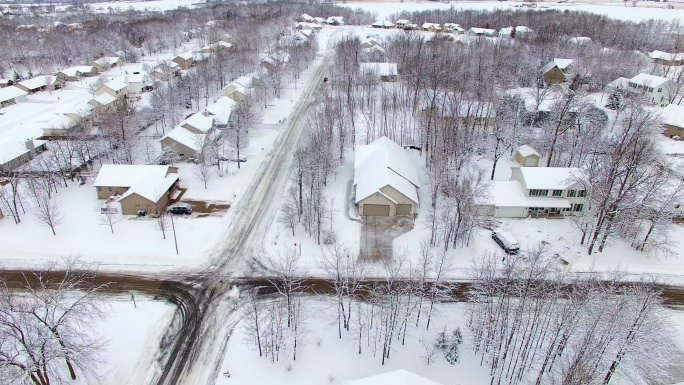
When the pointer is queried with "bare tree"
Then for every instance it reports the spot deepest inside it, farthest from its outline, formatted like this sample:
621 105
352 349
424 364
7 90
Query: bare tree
48 211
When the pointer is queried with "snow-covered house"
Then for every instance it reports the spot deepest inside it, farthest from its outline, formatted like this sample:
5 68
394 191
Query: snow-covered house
520 29
672 117
432 27
453 28
396 377
117 88
370 42
383 24
14 153
536 192
183 142
618 84
166 70
401 23
221 110
335 20
11 95
579 40
556 71
306 18
373 54
527 156
198 123
274 61
138 83
106 62
6 83
385 72
103 101
239 89
385 179
141 187
185 60
75 73
40 83
666 58
474 31
656 89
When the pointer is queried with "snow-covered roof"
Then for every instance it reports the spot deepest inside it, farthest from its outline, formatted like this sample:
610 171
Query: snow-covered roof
11 150
379 69
38 81
430 25
526 151
384 163
618 83
383 23
562 64
138 78
333 19
673 115
451 25
396 377
5 81
518 29
11 92
402 21
105 99
199 121
186 137
370 40
148 181
186 55
482 31
580 40
77 70
245 81
116 84
107 60
649 80
550 178
373 48
222 109
660 55
510 193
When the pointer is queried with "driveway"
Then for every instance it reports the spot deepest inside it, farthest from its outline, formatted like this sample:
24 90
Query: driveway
377 234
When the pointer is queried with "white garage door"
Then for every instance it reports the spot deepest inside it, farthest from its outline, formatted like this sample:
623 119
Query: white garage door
510 212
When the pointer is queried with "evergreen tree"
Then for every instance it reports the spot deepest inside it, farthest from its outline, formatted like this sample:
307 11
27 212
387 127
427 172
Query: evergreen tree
442 342
456 337
452 356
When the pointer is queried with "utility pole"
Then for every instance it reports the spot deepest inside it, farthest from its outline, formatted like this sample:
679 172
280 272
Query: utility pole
175 241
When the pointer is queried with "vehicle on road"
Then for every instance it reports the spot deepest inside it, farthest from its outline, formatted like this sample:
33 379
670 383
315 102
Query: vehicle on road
180 209
506 241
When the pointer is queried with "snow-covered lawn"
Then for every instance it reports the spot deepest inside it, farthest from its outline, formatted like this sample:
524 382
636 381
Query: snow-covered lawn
384 10
324 358
132 336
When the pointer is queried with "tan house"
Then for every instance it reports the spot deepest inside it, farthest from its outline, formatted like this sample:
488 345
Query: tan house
140 187
527 156
672 117
105 63
166 70
385 180
75 73
40 83
183 142
185 60
116 88
432 27
103 102
556 71
198 123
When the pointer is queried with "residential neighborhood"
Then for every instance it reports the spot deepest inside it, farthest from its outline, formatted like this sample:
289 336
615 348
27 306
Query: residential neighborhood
427 193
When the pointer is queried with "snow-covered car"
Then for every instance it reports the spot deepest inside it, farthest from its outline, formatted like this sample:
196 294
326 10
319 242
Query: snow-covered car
180 209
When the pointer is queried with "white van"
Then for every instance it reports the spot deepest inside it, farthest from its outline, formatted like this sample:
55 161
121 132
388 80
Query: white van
506 241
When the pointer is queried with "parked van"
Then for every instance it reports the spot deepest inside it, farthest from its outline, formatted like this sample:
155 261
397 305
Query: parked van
506 241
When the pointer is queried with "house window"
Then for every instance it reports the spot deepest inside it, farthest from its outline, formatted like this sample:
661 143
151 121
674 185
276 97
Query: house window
538 193
99 188
557 193
650 89
571 193
582 193
660 90
577 207
109 188
566 209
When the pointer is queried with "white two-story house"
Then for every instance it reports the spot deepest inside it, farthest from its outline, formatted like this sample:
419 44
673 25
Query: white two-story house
656 89
537 192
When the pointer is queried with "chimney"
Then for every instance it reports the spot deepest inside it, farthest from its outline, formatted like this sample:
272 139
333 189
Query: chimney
126 79
30 147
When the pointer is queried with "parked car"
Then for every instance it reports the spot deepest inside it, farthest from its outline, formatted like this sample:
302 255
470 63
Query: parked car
180 209
506 241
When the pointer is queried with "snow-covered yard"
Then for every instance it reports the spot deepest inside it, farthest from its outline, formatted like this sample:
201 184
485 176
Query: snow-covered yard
132 335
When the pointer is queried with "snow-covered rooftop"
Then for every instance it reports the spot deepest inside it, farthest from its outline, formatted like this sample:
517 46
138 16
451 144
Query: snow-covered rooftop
673 115
430 25
116 84
105 99
562 64
107 60
482 31
379 69
245 81
620 82
76 70
661 55
402 21
526 151
383 23
186 137
222 109
510 193
200 122
382 163
38 81
186 55
12 150
148 181
11 92
649 80
550 178
396 377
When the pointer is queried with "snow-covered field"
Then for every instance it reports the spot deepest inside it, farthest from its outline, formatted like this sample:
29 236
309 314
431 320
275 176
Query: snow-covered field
384 10
156 5
324 358
132 335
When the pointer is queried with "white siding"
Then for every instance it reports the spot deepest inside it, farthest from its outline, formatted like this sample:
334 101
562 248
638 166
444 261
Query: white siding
510 212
